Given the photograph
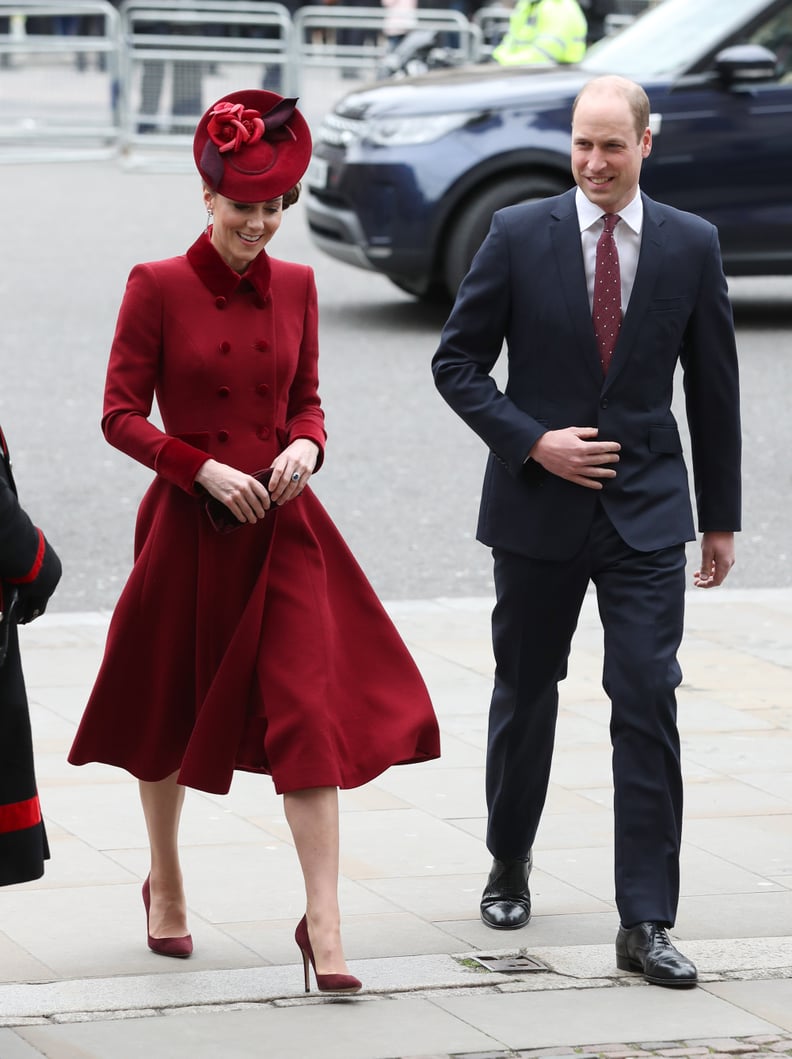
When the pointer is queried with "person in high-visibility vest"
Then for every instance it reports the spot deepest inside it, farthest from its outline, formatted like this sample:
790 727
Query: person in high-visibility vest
543 31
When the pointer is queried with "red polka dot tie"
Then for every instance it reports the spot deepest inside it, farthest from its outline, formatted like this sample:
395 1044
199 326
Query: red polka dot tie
607 312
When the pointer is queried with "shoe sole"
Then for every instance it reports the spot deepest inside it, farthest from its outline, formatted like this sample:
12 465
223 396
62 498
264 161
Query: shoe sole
624 963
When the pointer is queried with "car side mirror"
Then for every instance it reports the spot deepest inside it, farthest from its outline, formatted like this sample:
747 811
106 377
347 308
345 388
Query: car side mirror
746 64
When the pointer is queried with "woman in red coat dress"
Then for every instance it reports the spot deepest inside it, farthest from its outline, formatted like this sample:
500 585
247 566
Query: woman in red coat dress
265 648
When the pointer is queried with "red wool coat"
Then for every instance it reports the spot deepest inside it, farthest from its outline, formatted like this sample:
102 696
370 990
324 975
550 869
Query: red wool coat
265 649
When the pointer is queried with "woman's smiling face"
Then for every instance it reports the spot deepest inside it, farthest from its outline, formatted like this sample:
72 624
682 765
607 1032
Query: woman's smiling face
241 230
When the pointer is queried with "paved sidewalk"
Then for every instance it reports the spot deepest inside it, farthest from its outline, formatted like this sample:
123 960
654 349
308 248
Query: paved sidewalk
76 979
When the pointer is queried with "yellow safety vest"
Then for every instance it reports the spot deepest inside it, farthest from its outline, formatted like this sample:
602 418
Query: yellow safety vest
543 31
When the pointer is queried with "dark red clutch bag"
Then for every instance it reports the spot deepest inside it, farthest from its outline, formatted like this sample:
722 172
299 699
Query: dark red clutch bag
224 520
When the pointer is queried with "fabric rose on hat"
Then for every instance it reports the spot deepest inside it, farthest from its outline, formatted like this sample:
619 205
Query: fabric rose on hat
231 125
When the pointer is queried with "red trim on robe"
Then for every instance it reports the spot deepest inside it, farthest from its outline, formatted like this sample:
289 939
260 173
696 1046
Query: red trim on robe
35 569
20 815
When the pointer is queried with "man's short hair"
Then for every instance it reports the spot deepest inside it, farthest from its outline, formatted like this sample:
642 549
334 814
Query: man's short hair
636 98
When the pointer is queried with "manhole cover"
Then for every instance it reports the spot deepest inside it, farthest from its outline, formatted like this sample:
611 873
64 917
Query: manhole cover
511 964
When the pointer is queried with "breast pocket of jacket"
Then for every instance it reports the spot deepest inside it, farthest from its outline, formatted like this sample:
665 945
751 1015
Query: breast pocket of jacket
668 305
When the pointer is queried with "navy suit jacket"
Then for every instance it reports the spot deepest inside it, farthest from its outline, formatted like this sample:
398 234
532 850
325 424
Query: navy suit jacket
527 286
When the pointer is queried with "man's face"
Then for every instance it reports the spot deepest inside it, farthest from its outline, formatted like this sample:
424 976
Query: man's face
606 153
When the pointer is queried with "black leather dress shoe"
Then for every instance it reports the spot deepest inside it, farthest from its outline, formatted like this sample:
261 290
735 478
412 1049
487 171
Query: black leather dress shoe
506 901
647 948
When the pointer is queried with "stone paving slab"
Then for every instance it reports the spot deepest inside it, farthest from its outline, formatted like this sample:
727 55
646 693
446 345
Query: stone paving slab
770 999
403 1028
762 1046
725 967
412 867
338 1030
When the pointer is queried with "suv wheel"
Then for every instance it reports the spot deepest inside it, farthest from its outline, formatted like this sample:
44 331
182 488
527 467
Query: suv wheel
472 221
434 294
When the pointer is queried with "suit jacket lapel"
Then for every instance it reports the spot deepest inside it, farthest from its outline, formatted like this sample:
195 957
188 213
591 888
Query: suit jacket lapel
653 239
565 236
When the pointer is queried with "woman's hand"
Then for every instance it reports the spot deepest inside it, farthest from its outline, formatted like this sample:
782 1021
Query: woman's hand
299 460
246 498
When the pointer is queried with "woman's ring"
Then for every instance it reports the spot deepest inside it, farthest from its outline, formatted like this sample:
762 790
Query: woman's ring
296 476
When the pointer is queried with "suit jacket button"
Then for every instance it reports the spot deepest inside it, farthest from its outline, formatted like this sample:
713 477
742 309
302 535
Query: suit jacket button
223 391
222 435
604 402
225 347
262 389
220 302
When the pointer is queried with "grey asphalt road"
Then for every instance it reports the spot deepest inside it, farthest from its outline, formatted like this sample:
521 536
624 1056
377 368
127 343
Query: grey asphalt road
402 474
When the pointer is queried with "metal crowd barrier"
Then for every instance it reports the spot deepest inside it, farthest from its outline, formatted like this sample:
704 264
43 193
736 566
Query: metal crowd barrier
48 125
352 38
176 53
164 61
493 20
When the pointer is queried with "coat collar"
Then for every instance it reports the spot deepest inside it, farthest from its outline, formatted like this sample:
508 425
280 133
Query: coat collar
219 278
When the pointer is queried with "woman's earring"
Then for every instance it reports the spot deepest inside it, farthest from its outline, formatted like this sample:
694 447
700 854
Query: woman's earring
209 218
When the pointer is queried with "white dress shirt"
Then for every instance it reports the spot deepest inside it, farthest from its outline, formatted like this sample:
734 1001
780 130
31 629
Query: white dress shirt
627 234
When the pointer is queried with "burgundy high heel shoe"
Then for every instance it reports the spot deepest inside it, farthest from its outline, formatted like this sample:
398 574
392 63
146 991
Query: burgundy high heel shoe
179 947
325 983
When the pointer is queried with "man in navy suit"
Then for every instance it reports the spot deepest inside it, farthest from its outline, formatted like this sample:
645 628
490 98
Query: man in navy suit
586 482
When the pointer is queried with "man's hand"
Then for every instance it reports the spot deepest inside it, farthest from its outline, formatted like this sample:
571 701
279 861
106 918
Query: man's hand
717 558
569 454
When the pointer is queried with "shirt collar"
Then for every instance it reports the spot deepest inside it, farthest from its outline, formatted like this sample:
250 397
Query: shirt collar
588 213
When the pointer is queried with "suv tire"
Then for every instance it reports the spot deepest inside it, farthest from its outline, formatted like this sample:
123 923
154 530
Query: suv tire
472 220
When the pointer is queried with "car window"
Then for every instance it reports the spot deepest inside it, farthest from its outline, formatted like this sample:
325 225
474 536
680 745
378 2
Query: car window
776 34
670 38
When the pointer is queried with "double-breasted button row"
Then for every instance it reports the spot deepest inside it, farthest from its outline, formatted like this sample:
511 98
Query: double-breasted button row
262 389
263 433
221 302
261 345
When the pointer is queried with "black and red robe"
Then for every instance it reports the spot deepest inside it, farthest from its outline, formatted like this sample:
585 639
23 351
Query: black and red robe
28 563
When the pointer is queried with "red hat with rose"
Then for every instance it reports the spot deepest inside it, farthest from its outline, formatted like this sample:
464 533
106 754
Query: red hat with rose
252 146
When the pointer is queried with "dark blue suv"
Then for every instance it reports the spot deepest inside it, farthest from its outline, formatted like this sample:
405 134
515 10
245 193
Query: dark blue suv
406 174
